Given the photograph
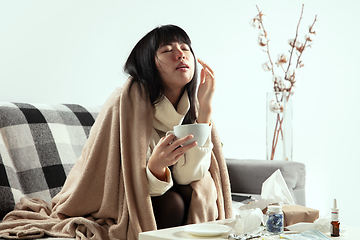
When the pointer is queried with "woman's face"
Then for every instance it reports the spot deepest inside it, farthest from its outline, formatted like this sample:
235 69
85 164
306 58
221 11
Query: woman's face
176 64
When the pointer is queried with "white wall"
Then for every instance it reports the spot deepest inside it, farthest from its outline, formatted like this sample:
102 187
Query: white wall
73 51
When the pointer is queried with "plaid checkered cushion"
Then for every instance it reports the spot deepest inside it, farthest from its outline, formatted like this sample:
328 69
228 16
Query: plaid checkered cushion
39 144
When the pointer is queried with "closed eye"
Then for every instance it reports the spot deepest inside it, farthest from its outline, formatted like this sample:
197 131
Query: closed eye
185 47
168 48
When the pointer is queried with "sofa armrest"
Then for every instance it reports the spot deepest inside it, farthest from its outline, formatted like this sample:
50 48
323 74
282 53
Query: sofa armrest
247 176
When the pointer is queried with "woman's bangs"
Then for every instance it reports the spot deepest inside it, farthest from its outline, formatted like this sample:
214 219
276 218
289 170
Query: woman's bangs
169 34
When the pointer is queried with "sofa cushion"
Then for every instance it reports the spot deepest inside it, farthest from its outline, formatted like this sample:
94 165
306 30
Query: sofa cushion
248 175
39 144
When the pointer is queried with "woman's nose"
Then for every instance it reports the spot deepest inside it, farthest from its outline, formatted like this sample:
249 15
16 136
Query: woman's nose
180 54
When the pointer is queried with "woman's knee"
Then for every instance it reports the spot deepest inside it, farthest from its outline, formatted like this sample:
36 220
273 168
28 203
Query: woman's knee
169 209
169 202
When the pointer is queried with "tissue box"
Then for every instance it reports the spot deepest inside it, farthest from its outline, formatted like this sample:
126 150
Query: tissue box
296 213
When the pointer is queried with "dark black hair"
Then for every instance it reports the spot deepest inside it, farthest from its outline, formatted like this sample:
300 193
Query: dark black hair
141 65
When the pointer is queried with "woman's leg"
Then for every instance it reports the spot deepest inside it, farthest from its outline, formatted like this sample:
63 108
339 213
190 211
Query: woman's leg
171 209
168 209
185 192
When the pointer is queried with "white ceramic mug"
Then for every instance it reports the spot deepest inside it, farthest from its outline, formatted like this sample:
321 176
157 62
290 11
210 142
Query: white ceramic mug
200 131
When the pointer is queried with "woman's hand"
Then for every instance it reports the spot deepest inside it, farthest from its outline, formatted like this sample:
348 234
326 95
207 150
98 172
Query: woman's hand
205 93
166 153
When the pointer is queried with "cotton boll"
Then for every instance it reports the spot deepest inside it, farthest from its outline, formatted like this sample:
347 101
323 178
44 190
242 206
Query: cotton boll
291 42
263 18
272 105
254 22
267 66
276 107
309 37
298 44
290 74
282 86
263 41
276 79
286 84
282 58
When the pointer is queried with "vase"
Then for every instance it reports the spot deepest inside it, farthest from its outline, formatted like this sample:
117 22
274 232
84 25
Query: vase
279 127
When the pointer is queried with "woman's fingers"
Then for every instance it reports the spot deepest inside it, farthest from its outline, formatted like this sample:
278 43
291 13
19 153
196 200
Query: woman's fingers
167 140
173 148
167 152
205 66
205 92
181 150
207 74
179 142
210 73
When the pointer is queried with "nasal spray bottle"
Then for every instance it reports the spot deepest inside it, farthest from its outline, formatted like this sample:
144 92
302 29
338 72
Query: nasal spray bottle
335 224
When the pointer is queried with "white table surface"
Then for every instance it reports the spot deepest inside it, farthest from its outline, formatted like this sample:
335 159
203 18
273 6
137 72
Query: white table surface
177 233
351 233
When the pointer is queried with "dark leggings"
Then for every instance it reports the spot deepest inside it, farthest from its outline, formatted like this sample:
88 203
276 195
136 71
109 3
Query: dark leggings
171 209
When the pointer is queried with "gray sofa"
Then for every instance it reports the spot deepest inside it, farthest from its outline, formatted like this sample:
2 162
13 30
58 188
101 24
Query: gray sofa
247 176
40 143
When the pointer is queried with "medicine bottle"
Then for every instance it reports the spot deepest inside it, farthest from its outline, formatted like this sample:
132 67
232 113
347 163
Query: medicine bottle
274 220
335 223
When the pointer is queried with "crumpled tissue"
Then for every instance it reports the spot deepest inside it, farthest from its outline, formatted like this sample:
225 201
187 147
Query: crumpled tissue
321 224
274 190
248 221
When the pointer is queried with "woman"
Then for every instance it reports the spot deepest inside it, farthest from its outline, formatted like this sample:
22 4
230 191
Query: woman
121 184
163 62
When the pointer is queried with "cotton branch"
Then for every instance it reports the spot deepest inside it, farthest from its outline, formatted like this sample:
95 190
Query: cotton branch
298 60
267 44
296 36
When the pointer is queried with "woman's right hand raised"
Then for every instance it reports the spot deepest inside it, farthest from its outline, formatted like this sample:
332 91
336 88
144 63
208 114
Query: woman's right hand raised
166 153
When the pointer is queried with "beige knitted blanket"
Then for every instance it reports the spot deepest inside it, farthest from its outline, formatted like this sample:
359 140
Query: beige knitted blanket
106 194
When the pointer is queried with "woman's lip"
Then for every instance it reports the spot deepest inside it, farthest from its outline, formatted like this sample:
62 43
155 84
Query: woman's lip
182 66
182 69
